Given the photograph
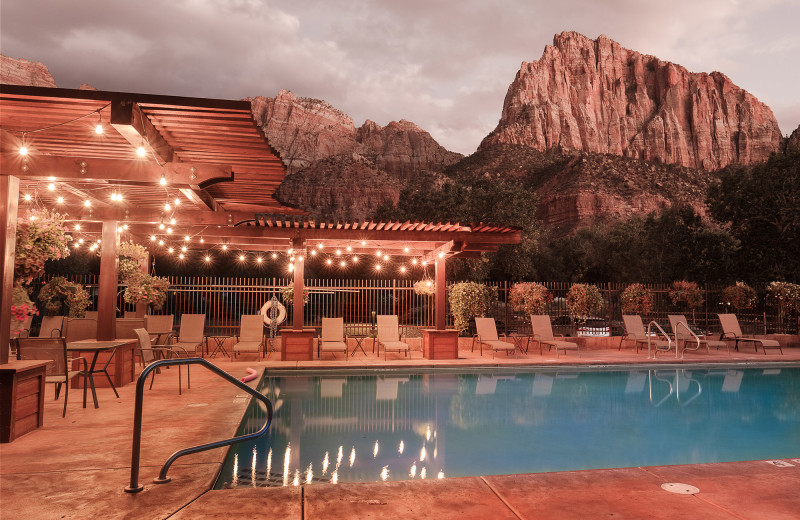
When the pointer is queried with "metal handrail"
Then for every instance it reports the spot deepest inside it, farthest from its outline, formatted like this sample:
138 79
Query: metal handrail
669 341
134 486
678 325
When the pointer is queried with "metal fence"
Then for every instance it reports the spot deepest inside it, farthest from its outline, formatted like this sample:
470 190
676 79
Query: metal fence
223 300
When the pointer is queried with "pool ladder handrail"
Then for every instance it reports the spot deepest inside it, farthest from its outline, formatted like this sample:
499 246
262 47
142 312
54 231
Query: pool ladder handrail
657 349
696 337
134 486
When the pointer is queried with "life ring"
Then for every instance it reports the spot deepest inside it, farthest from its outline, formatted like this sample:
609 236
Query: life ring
281 313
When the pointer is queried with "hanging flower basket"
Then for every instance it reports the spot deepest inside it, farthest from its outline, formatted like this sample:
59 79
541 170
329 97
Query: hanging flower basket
686 294
59 290
529 298
584 300
130 255
287 294
636 299
741 296
41 236
424 288
144 288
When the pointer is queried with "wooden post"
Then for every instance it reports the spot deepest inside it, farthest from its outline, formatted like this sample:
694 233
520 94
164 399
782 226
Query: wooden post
107 295
9 203
439 319
298 284
141 308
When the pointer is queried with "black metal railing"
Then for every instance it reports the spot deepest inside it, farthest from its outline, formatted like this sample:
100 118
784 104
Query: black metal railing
134 486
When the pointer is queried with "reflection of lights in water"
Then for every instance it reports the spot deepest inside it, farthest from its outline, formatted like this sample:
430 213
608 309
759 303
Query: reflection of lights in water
423 473
269 463
253 468
422 454
352 456
435 452
428 434
385 473
434 434
440 475
296 481
375 450
401 448
335 477
339 456
286 459
309 474
413 472
325 463
235 479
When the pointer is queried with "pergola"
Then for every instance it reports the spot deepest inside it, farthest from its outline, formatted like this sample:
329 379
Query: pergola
185 171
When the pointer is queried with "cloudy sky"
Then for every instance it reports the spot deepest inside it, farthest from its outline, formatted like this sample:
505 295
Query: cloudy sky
445 65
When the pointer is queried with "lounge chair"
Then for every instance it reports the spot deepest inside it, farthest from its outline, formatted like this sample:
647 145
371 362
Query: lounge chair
388 335
58 371
542 332
51 327
124 327
486 334
148 353
634 329
332 338
731 330
190 334
251 335
682 332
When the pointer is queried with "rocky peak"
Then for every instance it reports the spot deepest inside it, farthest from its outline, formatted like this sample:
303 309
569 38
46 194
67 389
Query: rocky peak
596 96
793 141
24 72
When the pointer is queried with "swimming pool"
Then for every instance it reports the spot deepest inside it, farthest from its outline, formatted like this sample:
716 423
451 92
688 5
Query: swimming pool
357 427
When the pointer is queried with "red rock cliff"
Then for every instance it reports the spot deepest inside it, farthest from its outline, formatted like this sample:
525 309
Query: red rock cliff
24 72
594 95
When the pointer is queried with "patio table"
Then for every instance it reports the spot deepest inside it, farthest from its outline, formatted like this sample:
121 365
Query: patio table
518 337
359 339
95 347
219 342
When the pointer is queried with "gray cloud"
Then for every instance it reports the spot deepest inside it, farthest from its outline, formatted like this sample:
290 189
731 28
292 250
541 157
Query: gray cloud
444 65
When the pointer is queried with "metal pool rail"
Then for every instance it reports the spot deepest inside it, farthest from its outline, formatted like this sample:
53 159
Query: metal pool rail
134 486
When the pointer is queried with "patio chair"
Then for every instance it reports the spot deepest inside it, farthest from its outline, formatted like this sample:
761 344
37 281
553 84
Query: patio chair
77 329
148 353
634 329
190 334
124 327
388 335
542 331
251 335
682 332
332 338
486 334
58 370
159 326
731 330
92 315
51 327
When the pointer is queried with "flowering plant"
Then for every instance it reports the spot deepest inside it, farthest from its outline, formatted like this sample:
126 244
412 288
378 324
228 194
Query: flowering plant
144 288
529 298
130 255
584 300
41 236
636 299
424 288
22 308
784 295
741 296
686 293
468 300
287 294
59 290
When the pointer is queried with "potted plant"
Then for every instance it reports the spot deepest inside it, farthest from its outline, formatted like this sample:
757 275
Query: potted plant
144 288
287 295
785 297
58 291
583 300
424 288
636 299
741 296
22 309
529 298
686 294
130 255
469 300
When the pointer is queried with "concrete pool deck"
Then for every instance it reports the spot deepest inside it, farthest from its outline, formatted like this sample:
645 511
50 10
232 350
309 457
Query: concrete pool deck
77 467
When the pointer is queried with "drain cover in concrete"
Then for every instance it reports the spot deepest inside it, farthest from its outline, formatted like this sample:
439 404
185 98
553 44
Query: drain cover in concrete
780 463
681 489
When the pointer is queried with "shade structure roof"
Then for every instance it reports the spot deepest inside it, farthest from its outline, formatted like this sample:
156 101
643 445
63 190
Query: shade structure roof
208 174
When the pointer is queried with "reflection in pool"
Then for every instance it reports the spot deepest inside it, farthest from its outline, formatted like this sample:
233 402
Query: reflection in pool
398 426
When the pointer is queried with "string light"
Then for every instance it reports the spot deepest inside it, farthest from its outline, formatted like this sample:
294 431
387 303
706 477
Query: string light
51 187
202 241
171 250
87 203
329 261
161 242
349 249
60 200
180 256
386 257
167 207
224 247
378 253
27 197
259 259
177 201
163 180
208 258
355 259
99 128
377 267
172 221
274 255
405 250
169 230
338 252
313 252
342 263
77 227
403 269
152 238
241 258
186 238
414 261
161 226
141 153
184 249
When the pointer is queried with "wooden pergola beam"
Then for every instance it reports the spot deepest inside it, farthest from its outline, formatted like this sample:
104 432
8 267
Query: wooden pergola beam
127 119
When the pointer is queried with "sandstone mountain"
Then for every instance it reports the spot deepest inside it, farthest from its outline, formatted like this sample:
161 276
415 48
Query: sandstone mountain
24 72
595 96
793 141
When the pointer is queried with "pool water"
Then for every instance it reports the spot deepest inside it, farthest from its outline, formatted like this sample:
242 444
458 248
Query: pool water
349 427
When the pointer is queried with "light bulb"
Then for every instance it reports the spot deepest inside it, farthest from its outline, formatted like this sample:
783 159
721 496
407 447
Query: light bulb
169 230
405 249
87 203
23 150
152 238
141 152
172 221
403 269
274 255
329 261
183 249
180 256
224 247
51 187
187 238
313 252
386 257
161 242
161 226
342 263
60 200
208 258
77 227
355 259
177 201
378 253
27 197
241 257
167 207
98 129
163 181
259 259
377 267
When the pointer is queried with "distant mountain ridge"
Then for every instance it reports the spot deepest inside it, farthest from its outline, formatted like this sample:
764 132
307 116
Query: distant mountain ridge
596 96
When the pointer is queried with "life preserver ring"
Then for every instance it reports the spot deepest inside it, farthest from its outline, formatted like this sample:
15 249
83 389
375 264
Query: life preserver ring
281 313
